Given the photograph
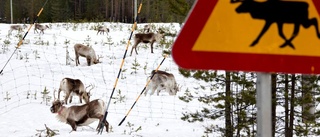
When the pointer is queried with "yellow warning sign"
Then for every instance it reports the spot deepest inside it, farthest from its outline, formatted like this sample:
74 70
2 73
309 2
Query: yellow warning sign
235 27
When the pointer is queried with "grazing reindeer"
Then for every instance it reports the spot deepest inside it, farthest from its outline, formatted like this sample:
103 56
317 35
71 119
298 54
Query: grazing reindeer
40 27
87 52
103 29
80 115
16 27
73 87
280 12
162 81
146 38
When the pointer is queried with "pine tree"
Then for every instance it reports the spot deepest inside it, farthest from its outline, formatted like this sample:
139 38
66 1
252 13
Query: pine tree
234 102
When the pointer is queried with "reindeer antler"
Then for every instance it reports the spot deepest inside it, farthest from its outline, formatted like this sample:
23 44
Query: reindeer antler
92 87
99 57
54 95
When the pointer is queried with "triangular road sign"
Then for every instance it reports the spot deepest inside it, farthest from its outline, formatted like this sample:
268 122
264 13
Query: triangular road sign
245 35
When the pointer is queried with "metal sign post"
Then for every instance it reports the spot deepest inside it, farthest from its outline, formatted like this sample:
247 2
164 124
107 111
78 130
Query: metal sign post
264 104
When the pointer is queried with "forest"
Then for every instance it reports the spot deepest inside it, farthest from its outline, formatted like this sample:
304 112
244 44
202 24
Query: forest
95 10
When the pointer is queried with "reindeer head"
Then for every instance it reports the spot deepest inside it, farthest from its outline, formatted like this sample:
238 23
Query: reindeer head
158 36
96 61
56 106
86 95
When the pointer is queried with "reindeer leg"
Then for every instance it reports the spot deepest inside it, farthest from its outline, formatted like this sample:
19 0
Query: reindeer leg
294 34
80 97
66 98
153 90
72 123
265 28
70 100
146 91
152 46
100 117
134 47
77 58
89 60
106 124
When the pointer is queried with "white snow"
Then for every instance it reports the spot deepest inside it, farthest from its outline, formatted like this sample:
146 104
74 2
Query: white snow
41 63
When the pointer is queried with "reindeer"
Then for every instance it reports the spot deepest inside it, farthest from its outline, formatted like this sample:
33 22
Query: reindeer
16 27
87 52
40 27
162 81
81 115
146 38
280 12
103 29
73 87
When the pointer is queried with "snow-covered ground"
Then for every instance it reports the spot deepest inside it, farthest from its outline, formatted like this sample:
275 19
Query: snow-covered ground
40 64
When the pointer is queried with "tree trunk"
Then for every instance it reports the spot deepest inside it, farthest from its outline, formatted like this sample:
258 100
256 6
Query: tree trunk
106 14
292 104
286 106
307 102
148 11
228 111
112 11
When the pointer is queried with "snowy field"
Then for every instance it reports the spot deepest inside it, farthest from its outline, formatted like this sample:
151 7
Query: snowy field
36 68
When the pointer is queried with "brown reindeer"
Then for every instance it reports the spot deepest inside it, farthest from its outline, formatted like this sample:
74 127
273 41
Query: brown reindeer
162 81
16 27
146 38
40 27
103 29
73 87
87 52
80 115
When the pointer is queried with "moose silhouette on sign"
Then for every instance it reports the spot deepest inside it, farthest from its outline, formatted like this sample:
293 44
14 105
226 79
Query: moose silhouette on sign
280 12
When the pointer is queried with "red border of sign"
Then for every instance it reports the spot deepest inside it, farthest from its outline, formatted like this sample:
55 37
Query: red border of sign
186 58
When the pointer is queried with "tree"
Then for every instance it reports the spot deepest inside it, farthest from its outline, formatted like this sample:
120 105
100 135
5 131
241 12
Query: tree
234 102
180 8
